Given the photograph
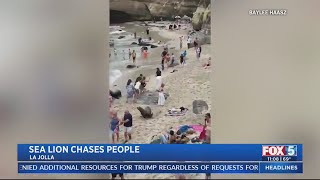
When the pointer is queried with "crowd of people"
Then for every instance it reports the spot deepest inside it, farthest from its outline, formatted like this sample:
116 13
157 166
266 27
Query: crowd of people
135 89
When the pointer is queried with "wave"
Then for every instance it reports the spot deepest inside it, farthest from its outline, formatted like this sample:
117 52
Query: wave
114 75
117 32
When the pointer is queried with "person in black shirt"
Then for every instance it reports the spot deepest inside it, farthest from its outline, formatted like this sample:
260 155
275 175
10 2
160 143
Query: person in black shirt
127 123
158 73
162 63
139 78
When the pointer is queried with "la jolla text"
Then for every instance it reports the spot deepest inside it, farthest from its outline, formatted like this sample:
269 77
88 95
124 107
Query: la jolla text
46 152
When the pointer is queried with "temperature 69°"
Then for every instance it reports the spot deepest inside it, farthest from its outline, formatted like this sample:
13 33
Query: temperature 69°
285 158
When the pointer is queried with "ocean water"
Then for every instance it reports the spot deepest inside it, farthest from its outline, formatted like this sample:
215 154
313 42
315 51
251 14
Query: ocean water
119 48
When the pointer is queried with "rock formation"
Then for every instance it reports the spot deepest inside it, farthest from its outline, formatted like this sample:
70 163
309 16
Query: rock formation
144 10
202 16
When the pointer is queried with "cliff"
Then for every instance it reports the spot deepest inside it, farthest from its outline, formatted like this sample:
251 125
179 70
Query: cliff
140 10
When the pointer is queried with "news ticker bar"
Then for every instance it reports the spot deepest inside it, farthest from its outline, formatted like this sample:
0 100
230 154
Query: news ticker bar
159 152
142 167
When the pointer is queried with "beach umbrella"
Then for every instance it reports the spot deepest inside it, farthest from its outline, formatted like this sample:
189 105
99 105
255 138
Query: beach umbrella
177 17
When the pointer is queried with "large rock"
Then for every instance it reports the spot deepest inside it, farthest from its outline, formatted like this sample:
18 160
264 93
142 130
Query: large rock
202 16
135 10
199 106
128 10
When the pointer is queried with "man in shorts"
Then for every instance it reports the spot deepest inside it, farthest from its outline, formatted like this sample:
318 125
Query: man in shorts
127 123
115 175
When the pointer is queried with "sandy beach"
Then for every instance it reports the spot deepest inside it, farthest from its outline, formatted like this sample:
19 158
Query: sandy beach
187 83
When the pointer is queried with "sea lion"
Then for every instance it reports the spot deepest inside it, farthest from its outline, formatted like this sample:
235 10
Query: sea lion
130 66
116 94
146 112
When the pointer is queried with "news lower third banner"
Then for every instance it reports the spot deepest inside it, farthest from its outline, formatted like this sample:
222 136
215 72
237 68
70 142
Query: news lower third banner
178 167
159 152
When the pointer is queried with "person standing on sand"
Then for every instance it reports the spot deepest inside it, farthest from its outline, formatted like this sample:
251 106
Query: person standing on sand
130 90
158 79
198 53
145 54
127 123
162 63
181 42
189 42
172 59
195 43
135 35
114 126
147 30
134 55
130 54
161 99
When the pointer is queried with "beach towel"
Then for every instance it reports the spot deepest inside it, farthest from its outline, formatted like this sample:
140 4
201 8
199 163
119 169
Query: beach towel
184 128
197 128
177 112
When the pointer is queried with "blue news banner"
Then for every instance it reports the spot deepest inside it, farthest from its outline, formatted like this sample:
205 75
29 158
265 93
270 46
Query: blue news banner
155 158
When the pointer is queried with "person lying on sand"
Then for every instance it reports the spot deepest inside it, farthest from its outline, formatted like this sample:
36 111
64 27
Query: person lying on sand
167 137
207 64
182 140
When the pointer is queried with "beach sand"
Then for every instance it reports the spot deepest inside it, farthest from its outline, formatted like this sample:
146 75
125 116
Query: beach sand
190 82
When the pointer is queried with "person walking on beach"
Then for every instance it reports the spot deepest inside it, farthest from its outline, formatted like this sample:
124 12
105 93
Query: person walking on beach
161 98
162 63
130 54
158 79
189 42
195 43
114 126
127 123
181 42
145 54
147 30
172 59
130 90
198 53
135 35
134 55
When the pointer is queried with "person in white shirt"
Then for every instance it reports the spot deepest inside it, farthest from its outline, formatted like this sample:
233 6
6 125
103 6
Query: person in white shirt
188 42
137 87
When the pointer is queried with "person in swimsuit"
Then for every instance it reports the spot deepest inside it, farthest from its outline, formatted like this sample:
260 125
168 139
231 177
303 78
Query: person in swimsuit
134 55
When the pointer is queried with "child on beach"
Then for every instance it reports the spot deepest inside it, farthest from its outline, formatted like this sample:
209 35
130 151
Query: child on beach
114 126
161 98
134 56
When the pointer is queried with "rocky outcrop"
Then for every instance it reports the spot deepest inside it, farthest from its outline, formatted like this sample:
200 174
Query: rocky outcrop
135 10
202 16
144 10
128 10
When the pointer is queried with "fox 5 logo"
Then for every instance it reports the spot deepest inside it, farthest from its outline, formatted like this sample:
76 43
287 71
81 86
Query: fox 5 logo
287 150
